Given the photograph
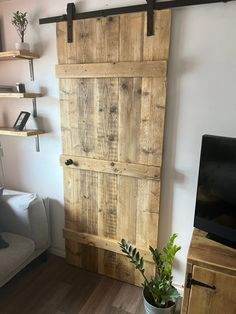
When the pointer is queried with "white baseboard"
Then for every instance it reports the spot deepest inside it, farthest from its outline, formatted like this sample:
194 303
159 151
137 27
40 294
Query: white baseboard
57 252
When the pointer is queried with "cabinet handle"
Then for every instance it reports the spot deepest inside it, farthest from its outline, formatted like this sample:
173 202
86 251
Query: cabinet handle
69 162
191 281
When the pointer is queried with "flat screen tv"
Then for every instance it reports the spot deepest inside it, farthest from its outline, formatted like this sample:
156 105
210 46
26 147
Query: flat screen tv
215 210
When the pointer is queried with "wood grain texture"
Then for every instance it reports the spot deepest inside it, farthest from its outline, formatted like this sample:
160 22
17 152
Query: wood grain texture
213 264
117 168
204 252
23 133
101 113
101 242
20 95
113 129
207 301
110 39
156 69
17 54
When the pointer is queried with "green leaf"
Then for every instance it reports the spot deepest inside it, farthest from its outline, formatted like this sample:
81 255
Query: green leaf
160 286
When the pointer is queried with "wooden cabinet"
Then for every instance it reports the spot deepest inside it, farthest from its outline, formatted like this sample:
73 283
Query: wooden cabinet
210 285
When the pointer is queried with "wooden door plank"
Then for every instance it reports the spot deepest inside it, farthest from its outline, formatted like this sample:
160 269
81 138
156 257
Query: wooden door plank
61 30
131 42
147 213
100 242
156 69
157 47
107 206
118 168
78 117
152 121
129 119
107 119
98 40
127 208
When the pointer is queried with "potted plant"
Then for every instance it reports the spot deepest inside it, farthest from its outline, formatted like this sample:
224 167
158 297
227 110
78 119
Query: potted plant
20 22
160 295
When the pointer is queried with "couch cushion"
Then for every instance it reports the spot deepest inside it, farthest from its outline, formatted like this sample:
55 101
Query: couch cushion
14 213
19 250
24 214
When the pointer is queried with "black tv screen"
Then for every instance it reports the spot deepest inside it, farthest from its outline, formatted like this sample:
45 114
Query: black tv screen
215 210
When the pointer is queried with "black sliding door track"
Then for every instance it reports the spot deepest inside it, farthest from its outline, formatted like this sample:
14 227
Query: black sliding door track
130 9
149 8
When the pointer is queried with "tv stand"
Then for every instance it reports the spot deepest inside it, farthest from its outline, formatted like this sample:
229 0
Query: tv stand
210 284
223 241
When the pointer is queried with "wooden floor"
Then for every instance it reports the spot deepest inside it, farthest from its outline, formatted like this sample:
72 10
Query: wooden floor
57 288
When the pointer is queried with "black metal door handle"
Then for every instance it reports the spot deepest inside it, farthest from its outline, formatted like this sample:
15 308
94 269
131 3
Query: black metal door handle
69 162
191 281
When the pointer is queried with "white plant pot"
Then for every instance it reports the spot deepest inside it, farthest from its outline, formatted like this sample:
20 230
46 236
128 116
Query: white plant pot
150 309
22 46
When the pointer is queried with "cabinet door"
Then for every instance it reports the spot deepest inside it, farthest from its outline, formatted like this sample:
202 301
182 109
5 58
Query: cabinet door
207 301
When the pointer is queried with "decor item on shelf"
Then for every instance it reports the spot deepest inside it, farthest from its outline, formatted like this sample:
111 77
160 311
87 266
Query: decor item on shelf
21 120
20 22
20 88
160 296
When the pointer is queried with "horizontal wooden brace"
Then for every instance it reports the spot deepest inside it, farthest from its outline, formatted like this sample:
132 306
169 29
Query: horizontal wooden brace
119 168
156 69
101 243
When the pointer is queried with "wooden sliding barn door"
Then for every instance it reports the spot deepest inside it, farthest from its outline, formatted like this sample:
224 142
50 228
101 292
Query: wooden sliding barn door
113 94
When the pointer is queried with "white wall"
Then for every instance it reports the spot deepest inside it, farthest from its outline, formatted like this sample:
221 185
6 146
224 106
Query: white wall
201 99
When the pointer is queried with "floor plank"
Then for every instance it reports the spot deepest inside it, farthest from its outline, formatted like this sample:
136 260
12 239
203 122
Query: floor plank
58 288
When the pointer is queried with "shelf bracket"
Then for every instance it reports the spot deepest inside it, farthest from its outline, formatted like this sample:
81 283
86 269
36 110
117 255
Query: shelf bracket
35 113
31 68
37 144
150 17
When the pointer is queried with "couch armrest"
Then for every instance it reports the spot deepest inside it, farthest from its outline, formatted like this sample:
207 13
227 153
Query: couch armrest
24 214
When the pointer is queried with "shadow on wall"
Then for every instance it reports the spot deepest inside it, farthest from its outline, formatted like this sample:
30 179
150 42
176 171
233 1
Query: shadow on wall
56 222
170 175
2 38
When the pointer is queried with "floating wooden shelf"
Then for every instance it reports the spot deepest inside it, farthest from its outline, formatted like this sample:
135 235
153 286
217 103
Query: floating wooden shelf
24 133
17 54
20 95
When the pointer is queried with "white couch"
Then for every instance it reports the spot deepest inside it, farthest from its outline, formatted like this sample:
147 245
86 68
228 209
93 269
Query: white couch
24 226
